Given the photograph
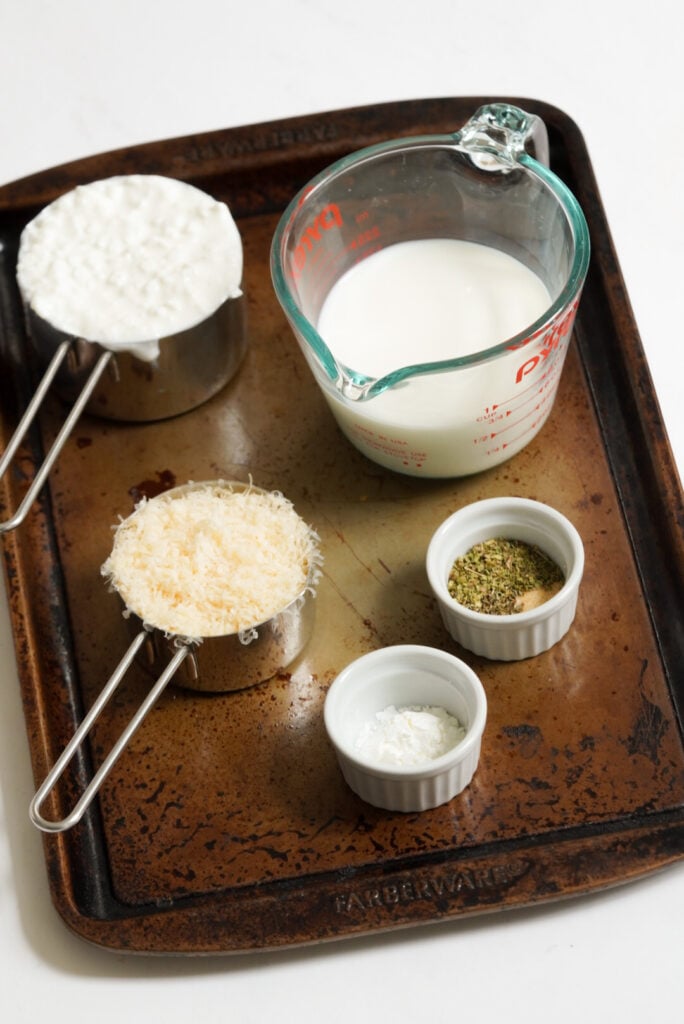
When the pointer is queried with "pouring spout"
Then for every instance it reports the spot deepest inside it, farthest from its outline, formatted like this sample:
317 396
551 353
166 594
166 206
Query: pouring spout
356 387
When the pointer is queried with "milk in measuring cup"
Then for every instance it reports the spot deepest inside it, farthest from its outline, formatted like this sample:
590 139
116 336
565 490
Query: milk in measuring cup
430 300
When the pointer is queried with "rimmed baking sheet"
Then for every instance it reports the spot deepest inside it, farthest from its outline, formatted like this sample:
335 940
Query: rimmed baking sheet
226 825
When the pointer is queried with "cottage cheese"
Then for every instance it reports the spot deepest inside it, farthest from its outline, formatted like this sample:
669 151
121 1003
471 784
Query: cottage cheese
128 260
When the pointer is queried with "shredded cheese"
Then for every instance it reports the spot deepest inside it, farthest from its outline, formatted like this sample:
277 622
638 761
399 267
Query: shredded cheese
212 560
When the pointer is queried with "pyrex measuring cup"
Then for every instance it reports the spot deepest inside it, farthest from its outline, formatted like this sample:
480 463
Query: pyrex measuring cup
463 413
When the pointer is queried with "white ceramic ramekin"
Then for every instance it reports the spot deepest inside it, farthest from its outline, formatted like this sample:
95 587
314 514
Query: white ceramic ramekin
523 634
402 676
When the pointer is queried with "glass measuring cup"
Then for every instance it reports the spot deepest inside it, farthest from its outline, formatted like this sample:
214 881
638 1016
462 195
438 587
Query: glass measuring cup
470 410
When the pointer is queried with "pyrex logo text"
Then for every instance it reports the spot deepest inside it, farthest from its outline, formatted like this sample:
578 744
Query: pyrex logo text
329 217
550 343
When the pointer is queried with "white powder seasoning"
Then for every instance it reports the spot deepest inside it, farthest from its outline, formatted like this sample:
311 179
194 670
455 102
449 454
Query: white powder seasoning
409 735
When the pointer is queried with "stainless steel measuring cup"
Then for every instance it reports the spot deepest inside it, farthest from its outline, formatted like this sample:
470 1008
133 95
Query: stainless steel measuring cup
191 367
123 383
466 413
214 664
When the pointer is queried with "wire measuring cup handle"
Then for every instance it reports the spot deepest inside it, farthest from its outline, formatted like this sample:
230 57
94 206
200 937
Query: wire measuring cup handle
57 445
45 824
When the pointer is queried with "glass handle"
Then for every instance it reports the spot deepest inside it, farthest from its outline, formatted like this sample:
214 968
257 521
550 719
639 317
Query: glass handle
500 133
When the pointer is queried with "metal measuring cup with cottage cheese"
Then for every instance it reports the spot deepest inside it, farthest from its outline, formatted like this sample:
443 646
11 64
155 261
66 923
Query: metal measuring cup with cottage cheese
131 287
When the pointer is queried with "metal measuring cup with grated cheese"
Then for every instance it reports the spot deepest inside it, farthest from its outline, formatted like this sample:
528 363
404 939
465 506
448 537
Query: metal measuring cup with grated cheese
219 579
211 560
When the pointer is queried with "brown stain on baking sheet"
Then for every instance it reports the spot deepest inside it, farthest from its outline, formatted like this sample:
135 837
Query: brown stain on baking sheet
151 488
650 725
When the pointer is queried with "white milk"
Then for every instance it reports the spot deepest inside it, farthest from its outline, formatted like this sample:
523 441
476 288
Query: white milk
430 300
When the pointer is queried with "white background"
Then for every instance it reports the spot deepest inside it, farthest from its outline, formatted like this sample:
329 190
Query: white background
81 76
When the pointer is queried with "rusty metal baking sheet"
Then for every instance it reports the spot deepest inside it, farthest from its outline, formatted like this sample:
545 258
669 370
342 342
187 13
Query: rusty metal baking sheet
226 825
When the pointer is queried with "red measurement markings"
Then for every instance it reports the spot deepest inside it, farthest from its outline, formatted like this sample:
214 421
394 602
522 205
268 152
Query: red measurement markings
551 335
529 423
511 441
513 424
312 235
502 410
364 238
394 447
542 398
311 247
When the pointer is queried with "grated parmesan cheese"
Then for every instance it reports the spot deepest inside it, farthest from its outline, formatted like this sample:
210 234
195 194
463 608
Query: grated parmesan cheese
211 560
128 260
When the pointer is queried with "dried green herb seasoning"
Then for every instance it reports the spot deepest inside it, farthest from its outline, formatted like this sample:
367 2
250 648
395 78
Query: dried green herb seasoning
502 577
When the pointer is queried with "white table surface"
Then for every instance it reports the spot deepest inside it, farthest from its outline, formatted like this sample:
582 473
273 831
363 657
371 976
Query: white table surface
82 76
